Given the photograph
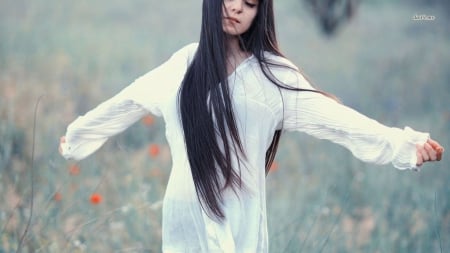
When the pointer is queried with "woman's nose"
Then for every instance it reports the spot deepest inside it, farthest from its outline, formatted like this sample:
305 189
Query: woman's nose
237 6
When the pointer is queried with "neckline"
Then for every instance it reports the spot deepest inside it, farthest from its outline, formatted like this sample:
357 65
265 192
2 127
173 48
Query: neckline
242 64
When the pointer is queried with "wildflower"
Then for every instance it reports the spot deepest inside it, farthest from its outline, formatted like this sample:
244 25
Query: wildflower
274 166
57 197
154 150
74 170
148 120
96 198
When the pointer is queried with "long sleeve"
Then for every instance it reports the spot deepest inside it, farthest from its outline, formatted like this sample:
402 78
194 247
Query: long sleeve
367 139
146 94
89 132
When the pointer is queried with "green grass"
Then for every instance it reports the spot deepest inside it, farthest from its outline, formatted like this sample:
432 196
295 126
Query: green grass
321 199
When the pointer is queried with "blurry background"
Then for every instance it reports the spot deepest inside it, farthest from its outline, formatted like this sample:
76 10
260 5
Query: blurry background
375 55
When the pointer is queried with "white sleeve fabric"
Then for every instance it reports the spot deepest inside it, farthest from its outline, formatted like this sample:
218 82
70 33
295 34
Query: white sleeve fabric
89 132
146 94
367 139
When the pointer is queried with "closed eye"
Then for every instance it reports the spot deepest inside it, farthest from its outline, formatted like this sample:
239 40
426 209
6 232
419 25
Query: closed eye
251 5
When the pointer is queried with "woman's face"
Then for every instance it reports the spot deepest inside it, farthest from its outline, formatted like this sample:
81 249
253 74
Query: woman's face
238 15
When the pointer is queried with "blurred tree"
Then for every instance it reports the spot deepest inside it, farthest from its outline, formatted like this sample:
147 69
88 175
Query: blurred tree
332 13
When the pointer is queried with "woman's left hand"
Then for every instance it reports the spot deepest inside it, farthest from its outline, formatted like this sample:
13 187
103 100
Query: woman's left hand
428 152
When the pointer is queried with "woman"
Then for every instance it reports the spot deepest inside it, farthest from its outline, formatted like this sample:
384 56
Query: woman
225 102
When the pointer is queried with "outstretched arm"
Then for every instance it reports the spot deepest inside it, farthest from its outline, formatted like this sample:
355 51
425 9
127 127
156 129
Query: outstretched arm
146 94
367 139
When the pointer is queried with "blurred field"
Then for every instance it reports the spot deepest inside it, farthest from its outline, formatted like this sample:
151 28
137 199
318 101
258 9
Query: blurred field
320 199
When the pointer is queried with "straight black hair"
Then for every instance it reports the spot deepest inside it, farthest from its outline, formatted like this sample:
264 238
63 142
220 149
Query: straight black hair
209 126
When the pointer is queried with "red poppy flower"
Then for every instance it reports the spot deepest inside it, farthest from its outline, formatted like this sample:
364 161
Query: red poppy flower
274 166
154 150
96 199
57 197
148 120
74 170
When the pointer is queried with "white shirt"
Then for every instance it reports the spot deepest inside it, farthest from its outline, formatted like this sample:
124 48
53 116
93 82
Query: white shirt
260 109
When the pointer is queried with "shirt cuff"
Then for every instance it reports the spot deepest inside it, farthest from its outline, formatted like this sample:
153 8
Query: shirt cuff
406 157
79 151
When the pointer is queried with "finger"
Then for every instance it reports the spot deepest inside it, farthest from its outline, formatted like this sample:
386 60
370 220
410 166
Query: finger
439 154
436 146
424 153
433 143
432 154
419 156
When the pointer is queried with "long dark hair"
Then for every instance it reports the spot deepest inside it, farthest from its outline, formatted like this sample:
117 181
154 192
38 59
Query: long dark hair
209 126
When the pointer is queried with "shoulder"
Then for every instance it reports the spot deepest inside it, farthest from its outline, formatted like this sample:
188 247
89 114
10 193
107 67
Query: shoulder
279 61
281 67
286 71
187 52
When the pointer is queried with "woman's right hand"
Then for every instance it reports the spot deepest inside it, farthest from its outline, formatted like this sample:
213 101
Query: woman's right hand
429 151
